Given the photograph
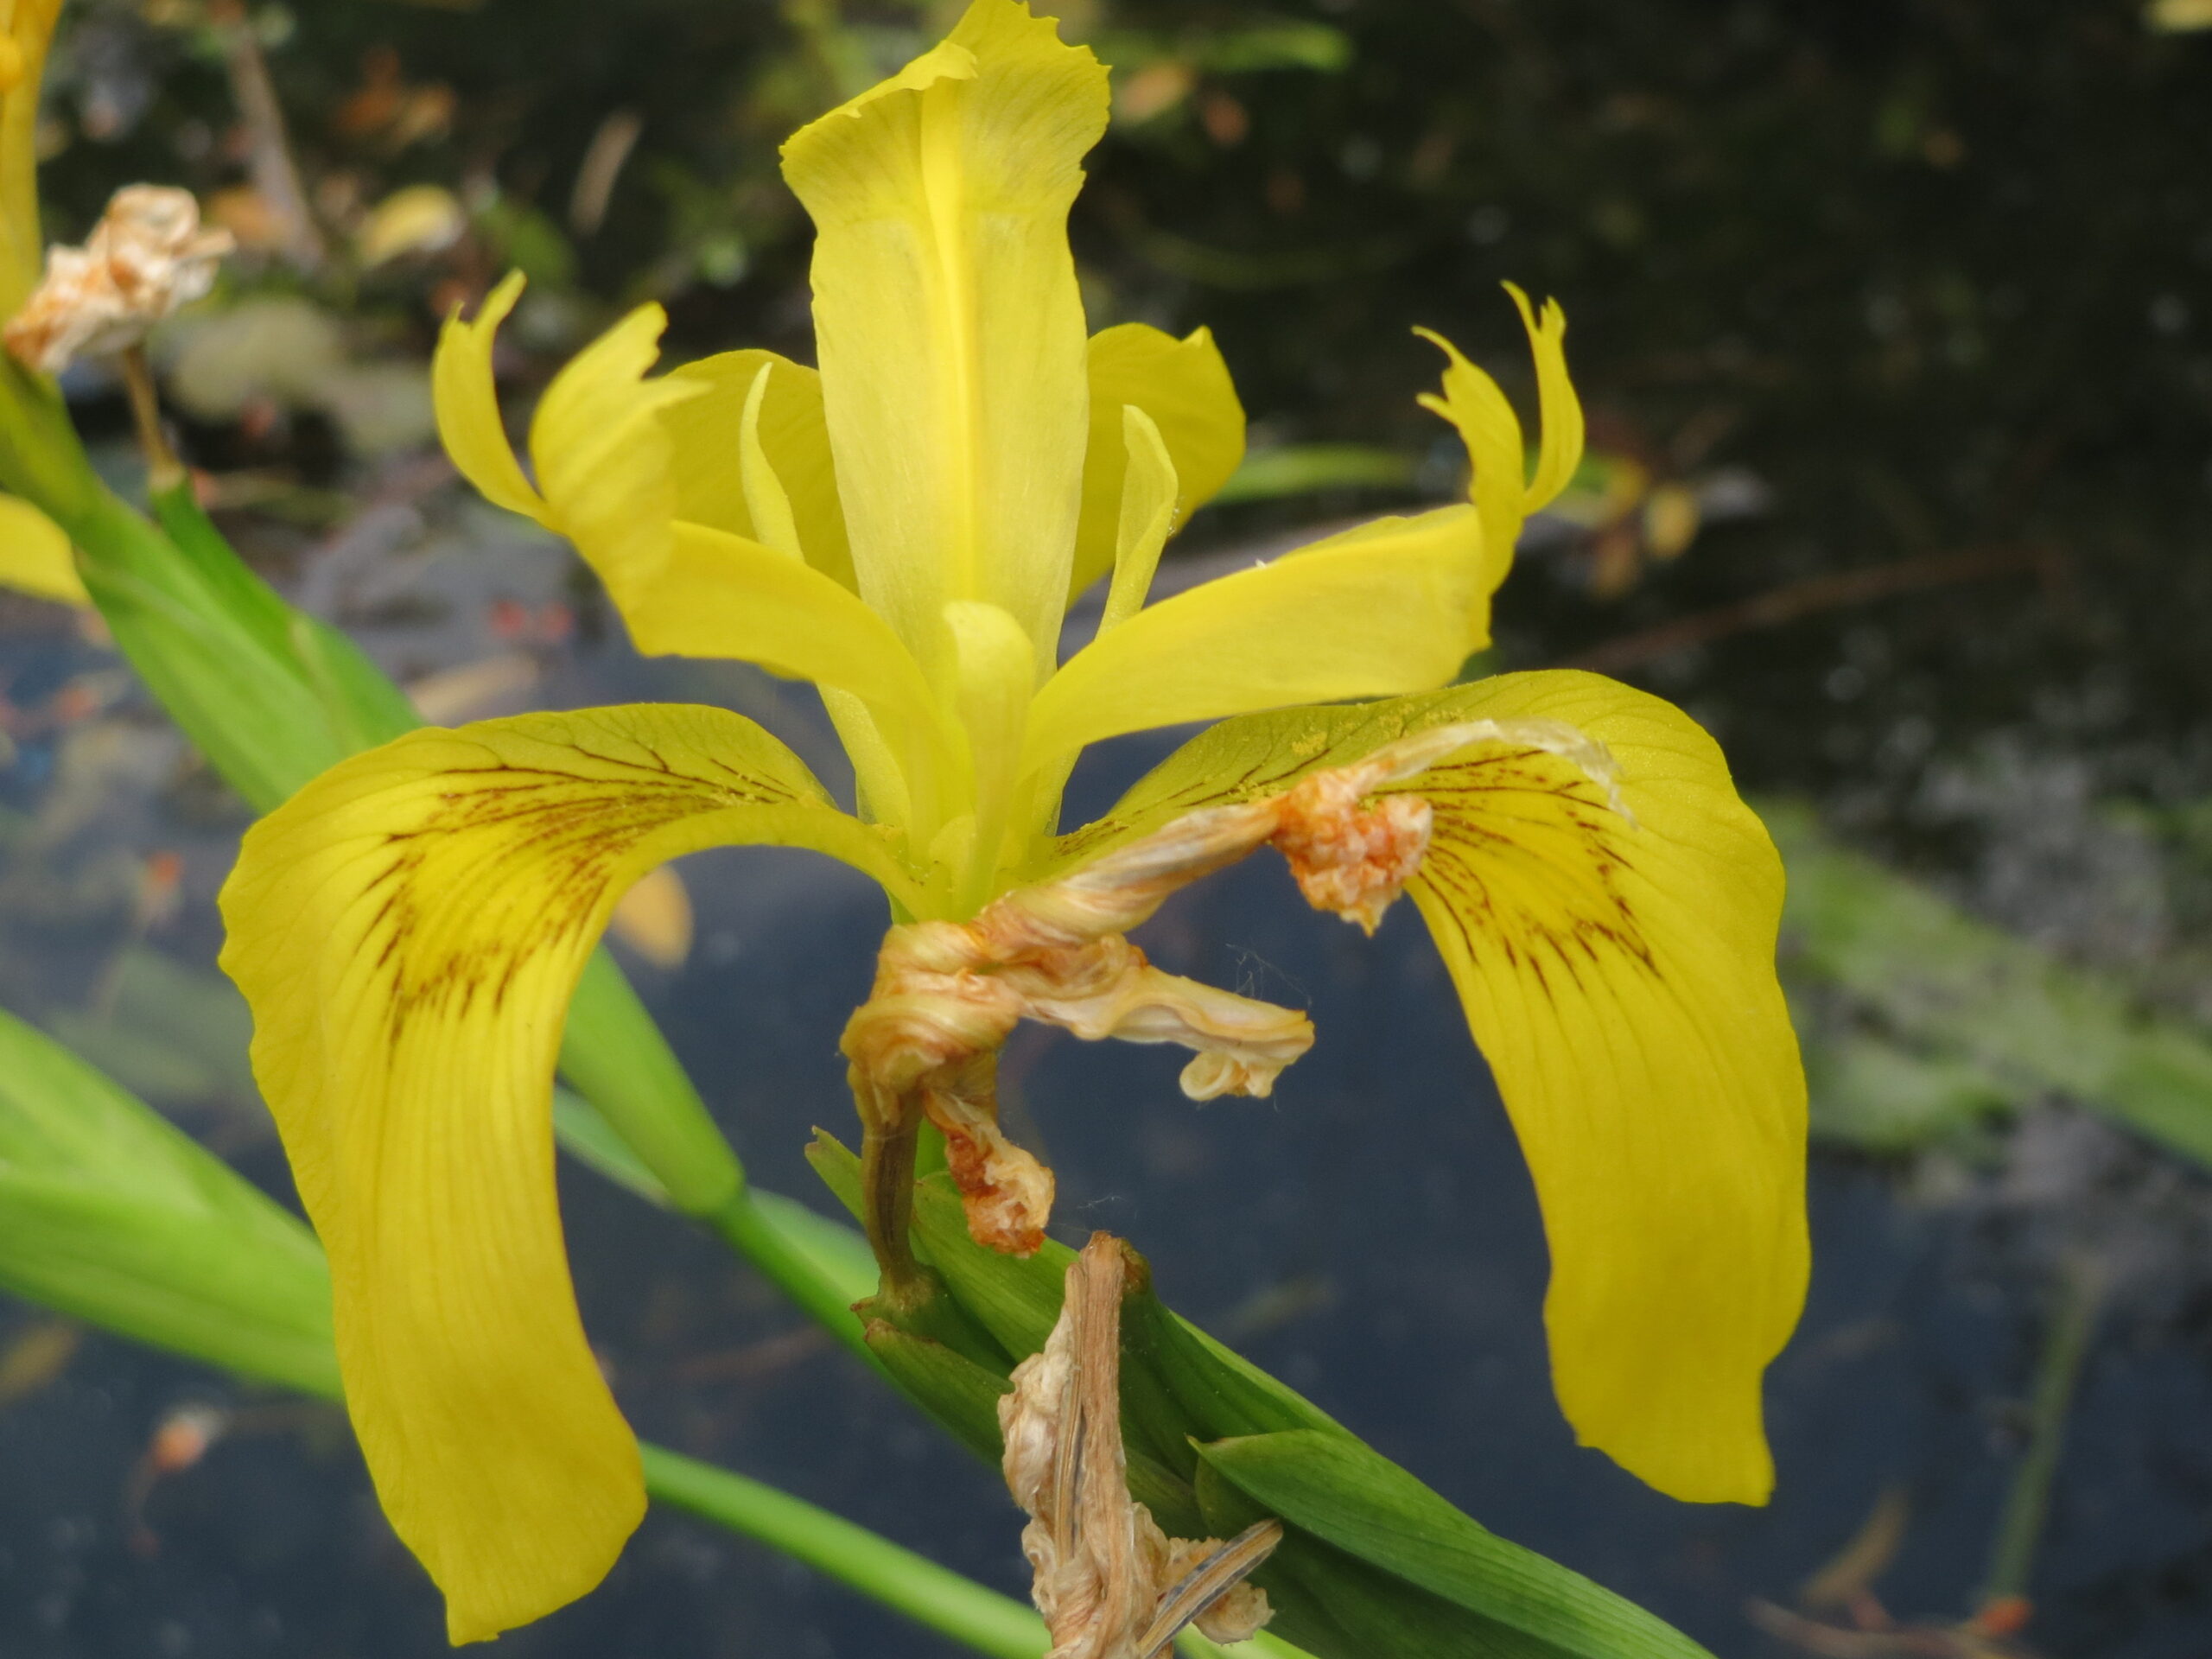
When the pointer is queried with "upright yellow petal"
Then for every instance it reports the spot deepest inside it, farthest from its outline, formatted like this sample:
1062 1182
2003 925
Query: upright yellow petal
1184 386
28 27
707 434
723 595
1478 406
1560 450
36 557
997 667
603 454
1617 970
467 401
1149 498
948 324
1474 404
1382 608
409 929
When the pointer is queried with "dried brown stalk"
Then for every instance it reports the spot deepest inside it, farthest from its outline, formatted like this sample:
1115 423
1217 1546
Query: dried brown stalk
1110 1584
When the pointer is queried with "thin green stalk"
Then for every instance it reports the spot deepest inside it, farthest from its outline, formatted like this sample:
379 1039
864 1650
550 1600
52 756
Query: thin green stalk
2058 1372
823 1265
885 1572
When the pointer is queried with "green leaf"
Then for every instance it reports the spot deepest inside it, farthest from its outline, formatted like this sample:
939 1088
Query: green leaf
1309 468
111 1213
960 1393
1324 1483
181 1278
1974 1014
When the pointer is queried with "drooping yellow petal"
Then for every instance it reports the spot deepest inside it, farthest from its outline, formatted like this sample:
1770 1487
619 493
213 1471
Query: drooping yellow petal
36 557
1149 497
1620 978
467 403
948 324
409 929
1474 404
707 434
28 28
724 595
1382 608
1183 385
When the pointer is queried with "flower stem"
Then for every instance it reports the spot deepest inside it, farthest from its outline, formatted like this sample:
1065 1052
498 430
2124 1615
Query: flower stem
163 470
899 1579
2081 1291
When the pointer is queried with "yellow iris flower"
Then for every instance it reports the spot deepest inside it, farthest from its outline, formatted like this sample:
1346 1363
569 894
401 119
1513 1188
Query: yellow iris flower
905 528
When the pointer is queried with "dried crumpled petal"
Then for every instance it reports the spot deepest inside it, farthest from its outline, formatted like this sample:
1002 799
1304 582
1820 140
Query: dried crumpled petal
1110 1584
948 994
146 257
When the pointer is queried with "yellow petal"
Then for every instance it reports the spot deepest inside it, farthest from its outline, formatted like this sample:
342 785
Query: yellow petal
655 919
29 28
1183 385
708 432
603 454
948 324
1560 450
1382 608
36 557
1621 984
467 402
997 667
765 502
1619 979
1148 516
1473 403
1476 405
408 929
723 595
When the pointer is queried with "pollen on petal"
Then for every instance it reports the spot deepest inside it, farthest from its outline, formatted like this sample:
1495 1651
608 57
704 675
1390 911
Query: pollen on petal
1349 859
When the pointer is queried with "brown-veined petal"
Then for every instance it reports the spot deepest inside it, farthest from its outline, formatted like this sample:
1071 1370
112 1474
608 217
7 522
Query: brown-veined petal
1618 971
407 930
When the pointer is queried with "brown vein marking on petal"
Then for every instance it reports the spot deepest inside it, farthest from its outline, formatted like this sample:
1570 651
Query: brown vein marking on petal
1528 857
1110 1584
491 822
